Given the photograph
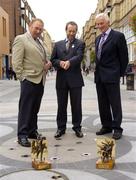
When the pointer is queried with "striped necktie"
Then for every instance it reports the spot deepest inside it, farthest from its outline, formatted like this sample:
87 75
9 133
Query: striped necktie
100 45
41 48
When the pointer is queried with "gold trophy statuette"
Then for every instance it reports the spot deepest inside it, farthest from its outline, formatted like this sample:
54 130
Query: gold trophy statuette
106 151
39 154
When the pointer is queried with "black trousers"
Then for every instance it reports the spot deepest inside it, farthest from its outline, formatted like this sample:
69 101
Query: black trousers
109 102
29 105
76 107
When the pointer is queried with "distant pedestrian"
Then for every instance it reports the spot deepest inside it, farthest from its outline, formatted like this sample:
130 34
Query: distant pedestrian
12 74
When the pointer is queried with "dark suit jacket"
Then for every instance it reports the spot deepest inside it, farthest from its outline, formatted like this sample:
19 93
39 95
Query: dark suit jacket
114 58
71 77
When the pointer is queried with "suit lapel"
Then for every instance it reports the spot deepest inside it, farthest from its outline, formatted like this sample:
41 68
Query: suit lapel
109 37
43 55
72 46
97 42
106 41
64 45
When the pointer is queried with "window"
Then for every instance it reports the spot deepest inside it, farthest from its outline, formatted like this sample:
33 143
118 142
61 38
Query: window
22 22
4 26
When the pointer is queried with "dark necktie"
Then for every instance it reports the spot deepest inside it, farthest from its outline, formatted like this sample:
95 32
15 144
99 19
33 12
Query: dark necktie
100 45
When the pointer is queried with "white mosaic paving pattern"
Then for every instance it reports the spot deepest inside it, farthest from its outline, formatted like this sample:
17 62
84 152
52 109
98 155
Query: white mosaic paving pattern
5 130
47 175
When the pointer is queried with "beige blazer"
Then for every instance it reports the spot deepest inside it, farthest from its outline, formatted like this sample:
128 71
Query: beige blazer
28 59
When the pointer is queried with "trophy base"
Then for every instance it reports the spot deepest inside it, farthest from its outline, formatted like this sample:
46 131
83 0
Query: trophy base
41 165
105 165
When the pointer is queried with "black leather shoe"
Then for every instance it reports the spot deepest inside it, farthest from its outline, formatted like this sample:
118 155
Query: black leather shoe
24 142
35 135
103 131
117 135
79 133
59 133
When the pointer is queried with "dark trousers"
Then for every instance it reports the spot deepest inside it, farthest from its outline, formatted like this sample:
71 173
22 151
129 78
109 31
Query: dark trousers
109 102
76 107
29 105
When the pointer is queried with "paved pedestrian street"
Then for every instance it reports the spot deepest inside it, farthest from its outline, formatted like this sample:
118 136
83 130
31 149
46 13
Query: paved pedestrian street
72 158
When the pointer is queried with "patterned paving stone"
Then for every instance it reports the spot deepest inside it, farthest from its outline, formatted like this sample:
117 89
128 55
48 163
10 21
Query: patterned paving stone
72 158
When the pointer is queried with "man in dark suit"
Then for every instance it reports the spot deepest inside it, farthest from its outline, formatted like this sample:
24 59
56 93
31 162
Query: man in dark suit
111 63
66 58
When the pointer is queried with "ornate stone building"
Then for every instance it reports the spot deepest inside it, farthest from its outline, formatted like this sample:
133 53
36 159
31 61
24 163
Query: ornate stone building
47 43
120 13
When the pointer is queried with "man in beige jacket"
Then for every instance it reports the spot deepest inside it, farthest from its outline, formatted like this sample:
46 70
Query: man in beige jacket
31 66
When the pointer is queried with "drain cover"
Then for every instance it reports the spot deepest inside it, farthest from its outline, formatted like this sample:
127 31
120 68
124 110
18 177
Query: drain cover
86 154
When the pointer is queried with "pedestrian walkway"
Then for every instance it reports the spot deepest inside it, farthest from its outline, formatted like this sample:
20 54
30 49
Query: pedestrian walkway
72 158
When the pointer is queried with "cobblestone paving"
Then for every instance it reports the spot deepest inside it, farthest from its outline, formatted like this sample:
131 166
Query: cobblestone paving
72 158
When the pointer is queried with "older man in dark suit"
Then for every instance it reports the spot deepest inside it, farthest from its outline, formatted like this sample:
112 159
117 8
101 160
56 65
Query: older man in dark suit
66 58
111 63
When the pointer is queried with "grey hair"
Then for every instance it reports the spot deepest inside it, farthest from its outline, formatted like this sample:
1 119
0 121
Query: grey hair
104 16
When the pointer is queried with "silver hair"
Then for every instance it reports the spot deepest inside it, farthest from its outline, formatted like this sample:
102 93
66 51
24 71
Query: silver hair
104 16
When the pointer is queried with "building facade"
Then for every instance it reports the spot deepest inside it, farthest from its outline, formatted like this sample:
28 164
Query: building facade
4 42
47 43
120 13
20 14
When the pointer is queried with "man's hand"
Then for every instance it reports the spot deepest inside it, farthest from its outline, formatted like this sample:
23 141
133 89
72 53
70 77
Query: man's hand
47 65
64 64
67 65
